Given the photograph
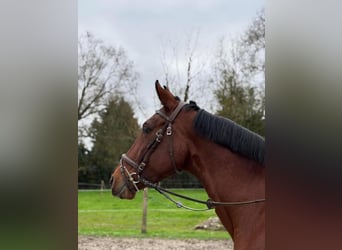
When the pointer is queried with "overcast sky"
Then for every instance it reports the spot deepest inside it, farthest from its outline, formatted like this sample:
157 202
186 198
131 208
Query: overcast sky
141 27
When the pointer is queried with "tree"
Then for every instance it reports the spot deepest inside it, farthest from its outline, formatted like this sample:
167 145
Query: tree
253 44
103 71
87 172
183 66
112 135
239 77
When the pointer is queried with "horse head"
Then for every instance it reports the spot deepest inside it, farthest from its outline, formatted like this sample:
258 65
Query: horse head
160 150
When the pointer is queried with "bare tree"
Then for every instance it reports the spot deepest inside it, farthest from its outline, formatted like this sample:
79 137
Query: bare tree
103 71
183 66
252 55
239 77
252 47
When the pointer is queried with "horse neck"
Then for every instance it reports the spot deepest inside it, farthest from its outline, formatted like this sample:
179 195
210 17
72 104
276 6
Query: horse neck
227 176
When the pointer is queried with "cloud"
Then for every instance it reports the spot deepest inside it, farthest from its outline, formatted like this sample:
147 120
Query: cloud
142 26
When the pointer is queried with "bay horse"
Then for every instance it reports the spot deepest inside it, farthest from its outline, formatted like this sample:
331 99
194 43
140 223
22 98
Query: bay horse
227 159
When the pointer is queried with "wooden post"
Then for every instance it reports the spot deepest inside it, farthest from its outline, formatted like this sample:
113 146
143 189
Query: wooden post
102 185
144 214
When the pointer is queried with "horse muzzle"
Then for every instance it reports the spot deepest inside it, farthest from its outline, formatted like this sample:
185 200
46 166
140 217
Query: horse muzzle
120 188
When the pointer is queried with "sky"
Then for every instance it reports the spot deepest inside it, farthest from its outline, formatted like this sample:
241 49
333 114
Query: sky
142 27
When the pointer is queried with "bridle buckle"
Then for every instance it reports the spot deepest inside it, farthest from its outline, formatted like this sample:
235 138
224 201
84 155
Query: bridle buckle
159 135
141 166
169 130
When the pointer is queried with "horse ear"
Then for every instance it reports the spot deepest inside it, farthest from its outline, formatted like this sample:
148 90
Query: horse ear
166 98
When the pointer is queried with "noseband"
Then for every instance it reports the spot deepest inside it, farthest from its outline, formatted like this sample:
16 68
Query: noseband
136 177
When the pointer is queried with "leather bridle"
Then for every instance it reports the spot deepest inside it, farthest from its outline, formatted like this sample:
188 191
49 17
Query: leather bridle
136 177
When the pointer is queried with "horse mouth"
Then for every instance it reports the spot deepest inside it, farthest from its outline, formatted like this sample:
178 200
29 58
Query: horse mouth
123 192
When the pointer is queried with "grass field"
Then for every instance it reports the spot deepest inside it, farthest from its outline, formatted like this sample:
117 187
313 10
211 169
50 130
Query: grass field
99 213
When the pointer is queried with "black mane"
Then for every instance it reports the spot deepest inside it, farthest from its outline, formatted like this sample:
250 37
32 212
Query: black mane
231 135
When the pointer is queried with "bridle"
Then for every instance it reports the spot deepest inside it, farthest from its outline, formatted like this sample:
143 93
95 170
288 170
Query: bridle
135 177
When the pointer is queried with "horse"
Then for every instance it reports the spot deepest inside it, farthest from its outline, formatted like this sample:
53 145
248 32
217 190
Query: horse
227 159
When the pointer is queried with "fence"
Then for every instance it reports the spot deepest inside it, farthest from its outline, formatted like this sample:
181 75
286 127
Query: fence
165 183
183 180
102 185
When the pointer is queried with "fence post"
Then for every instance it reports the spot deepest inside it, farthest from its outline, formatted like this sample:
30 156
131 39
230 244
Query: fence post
102 185
144 214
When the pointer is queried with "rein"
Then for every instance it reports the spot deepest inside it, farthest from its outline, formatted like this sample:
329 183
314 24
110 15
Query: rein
209 203
135 177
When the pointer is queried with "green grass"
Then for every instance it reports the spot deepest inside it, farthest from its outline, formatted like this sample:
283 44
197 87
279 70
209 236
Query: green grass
101 214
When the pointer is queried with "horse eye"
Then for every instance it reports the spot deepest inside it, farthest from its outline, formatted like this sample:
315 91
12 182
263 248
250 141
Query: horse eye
146 129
